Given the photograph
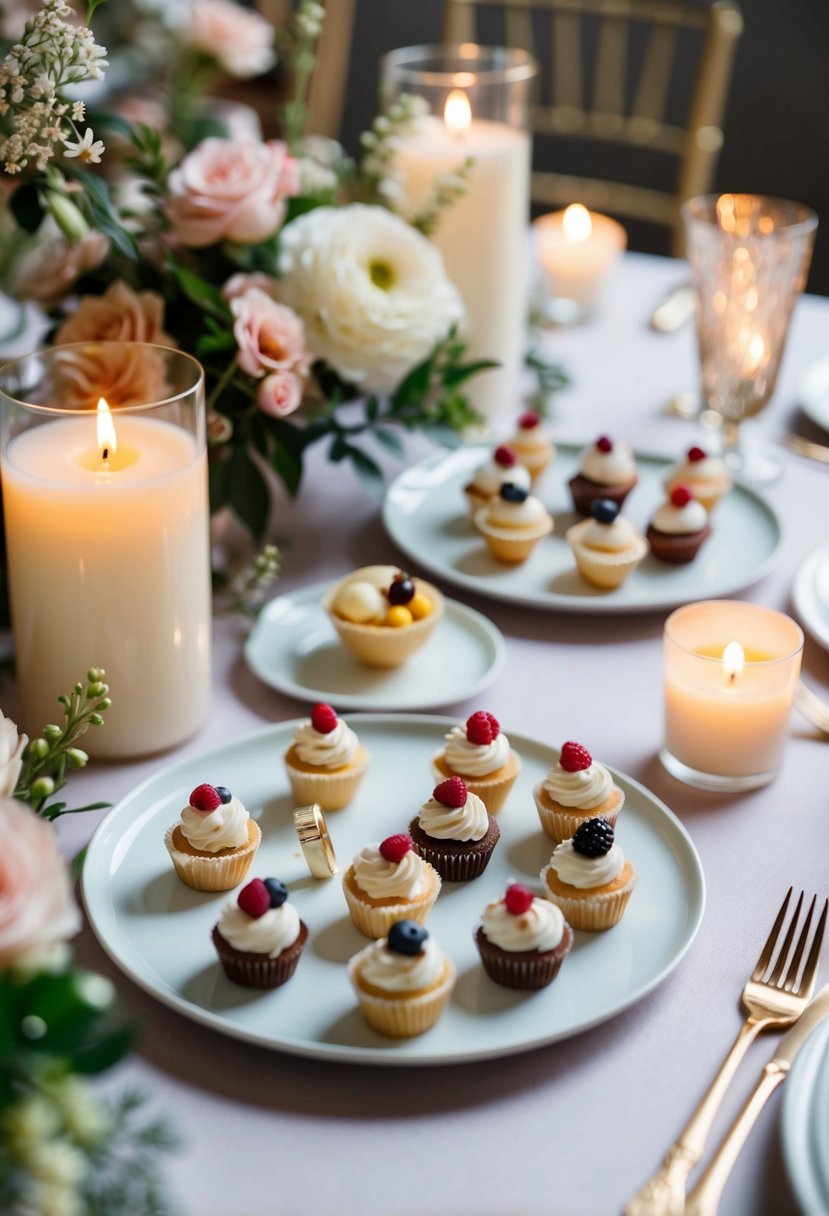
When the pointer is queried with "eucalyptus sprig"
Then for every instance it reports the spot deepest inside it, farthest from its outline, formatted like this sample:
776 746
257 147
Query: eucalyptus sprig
447 189
298 45
246 593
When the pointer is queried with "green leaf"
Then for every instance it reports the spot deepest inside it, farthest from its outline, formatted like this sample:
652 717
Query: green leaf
215 344
415 387
457 373
369 472
91 5
27 208
200 291
103 1053
288 464
390 440
339 449
248 492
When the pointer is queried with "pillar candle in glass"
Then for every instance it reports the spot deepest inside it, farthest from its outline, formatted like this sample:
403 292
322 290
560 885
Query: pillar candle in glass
478 103
576 250
104 474
730 674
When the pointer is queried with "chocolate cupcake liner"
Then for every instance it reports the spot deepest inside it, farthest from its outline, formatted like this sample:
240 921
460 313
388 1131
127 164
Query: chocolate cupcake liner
676 549
455 860
406 1016
493 793
585 492
561 825
332 790
591 912
376 921
214 873
526 971
259 970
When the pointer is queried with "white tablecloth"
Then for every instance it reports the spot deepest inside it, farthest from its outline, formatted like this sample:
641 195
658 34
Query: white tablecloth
569 1130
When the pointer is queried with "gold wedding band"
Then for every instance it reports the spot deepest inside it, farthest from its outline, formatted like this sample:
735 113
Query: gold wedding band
312 834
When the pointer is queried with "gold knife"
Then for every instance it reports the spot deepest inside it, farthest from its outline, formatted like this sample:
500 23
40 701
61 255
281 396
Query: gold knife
704 1199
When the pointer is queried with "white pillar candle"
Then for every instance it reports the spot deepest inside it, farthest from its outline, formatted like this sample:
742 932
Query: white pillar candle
577 249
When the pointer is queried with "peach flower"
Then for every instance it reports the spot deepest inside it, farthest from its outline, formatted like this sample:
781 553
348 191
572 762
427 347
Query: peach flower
270 337
240 41
53 266
238 284
279 394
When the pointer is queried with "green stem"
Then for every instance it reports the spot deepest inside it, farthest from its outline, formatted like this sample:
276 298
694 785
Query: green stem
222 383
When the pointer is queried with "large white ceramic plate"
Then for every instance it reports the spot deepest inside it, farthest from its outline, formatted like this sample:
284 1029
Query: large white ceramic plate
805 1125
158 931
294 648
810 594
813 393
425 514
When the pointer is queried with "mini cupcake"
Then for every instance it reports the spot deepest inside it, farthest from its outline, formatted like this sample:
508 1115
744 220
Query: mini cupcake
326 761
260 937
382 615
606 470
513 523
678 528
480 753
454 832
388 882
403 982
607 548
576 789
588 878
214 841
523 940
502 466
533 446
705 476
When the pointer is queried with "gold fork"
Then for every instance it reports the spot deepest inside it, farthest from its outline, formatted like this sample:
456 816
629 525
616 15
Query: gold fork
805 447
772 1000
811 706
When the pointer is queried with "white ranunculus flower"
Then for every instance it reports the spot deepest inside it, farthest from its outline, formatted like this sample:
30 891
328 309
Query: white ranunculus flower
11 756
372 291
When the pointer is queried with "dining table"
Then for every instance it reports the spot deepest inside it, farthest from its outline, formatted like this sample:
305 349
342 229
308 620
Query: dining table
572 1128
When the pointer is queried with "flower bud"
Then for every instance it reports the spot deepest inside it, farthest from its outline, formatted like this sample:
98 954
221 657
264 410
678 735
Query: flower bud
96 689
51 731
76 757
67 216
39 748
96 719
42 788
94 674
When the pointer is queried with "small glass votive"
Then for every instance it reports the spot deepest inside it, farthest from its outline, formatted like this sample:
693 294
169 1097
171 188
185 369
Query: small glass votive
730 674
576 250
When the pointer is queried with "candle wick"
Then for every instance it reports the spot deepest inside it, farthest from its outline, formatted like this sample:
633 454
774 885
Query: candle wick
732 677
105 455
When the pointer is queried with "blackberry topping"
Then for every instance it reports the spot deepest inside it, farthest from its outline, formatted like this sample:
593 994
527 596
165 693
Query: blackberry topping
604 510
593 838
406 937
510 492
401 591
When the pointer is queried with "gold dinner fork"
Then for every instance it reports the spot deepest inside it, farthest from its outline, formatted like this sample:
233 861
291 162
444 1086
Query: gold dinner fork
770 1000
811 706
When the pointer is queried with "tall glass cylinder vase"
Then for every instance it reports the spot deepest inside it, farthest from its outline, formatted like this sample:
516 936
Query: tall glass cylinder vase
478 102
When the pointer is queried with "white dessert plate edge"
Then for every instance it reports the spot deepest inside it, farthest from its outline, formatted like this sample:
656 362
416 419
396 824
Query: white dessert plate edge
807 1165
808 605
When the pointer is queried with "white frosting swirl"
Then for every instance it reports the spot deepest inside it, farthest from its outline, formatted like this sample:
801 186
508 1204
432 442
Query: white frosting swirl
608 468
475 759
467 822
541 927
586 872
224 828
612 538
381 879
710 469
680 521
489 478
505 514
532 439
269 934
334 750
392 972
584 790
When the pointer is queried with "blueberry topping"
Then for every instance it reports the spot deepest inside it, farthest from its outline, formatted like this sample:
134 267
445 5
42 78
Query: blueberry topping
277 891
406 937
593 838
510 492
224 793
604 510
401 591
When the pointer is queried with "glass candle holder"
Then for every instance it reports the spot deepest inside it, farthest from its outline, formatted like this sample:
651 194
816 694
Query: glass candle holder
577 250
104 474
730 674
476 101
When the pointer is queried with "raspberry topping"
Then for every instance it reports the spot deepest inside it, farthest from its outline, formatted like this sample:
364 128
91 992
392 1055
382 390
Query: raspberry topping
527 421
323 719
505 457
680 496
604 444
695 455
518 899
395 848
255 898
574 758
451 792
482 727
205 798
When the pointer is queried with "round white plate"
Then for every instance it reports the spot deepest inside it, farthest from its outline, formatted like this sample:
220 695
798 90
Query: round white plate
158 931
813 393
805 1124
425 514
810 594
295 648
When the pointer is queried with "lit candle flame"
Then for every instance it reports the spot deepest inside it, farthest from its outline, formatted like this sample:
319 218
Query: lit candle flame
107 443
576 223
457 113
733 661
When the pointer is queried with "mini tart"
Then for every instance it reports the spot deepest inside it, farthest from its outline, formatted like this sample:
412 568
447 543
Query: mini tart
381 645
455 860
511 545
259 970
560 822
676 548
219 871
604 568
332 788
591 908
402 1015
375 917
492 789
584 492
524 970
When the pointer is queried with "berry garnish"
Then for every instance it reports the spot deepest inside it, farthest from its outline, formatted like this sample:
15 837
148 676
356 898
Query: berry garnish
482 727
224 794
593 838
604 510
323 719
574 758
277 892
402 589
604 443
680 496
205 798
505 457
451 792
395 848
518 899
406 937
695 455
527 421
254 898
510 492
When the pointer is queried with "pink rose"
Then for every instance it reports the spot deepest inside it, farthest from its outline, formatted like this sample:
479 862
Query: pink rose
270 337
240 41
36 905
279 394
231 190
52 268
238 284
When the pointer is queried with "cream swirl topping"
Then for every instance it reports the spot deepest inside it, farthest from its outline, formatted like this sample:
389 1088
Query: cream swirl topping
541 927
583 790
334 750
612 538
680 521
531 439
224 828
475 759
269 934
392 972
710 469
608 468
467 822
489 478
586 872
504 514
381 879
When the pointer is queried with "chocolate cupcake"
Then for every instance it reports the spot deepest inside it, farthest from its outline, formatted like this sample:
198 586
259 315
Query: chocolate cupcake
679 528
454 832
523 940
259 936
606 470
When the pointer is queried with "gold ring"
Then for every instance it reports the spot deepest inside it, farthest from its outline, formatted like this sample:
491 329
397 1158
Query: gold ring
312 834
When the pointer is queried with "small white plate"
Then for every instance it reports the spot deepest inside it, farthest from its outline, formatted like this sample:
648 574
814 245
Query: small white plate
425 514
805 1124
158 931
810 594
813 393
295 648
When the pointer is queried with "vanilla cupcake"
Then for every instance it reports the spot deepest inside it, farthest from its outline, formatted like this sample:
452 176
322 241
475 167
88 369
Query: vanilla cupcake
575 789
403 982
502 466
705 476
607 470
214 841
607 548
588 877
678 528
480 753
513 523
382 615
454 832
326 761
387 882
533 446
523 940
259 936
